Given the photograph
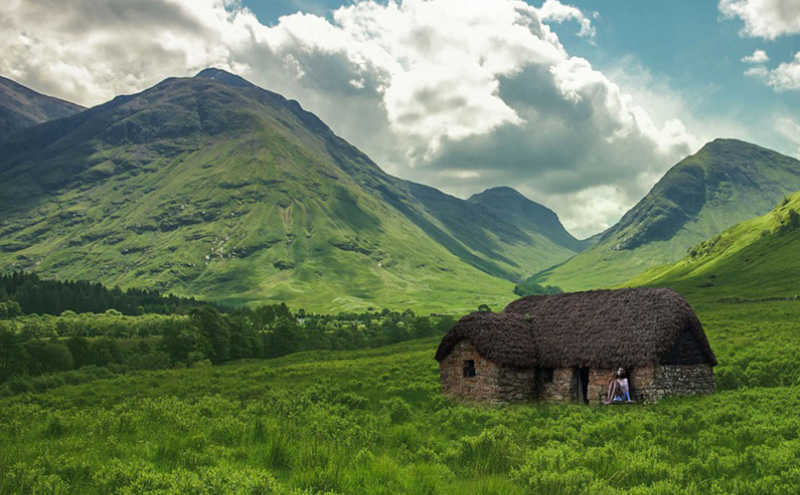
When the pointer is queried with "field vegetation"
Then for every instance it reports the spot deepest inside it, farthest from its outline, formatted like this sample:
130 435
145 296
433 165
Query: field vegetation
351 421
373 421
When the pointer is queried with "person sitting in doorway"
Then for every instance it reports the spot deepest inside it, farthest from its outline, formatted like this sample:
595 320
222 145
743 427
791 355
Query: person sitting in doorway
618 388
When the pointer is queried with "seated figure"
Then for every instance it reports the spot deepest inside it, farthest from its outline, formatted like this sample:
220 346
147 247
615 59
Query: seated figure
618 388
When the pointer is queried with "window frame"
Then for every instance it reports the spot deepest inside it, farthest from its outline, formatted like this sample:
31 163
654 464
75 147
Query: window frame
469 369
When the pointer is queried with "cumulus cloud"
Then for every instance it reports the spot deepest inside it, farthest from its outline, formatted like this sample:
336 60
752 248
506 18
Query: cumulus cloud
764 18
459 94
758 57
768 19
785 77
553 10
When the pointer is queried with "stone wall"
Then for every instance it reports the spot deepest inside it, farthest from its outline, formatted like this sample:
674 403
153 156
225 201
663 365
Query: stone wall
646 384
563 388
675 380
491 383
598 385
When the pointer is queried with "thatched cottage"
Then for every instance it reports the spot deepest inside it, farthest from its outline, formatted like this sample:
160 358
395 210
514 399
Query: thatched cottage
566 347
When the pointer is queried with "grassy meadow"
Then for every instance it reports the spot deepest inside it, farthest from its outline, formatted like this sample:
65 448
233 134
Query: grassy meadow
373 421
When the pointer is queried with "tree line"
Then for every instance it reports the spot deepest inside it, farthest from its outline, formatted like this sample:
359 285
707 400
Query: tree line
35 295
36 345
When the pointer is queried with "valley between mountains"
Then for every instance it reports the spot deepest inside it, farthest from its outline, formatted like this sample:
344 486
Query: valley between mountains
212 187
215 188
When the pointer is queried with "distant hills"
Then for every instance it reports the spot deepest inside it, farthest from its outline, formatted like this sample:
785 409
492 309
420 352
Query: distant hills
212 187
751 261
531 217
21 107
726 182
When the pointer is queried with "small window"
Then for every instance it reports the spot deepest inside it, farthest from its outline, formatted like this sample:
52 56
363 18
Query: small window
469 368
548 375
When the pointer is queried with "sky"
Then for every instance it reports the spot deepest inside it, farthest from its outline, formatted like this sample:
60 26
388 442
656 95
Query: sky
580 105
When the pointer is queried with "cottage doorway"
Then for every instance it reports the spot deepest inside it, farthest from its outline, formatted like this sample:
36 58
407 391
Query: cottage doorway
582 378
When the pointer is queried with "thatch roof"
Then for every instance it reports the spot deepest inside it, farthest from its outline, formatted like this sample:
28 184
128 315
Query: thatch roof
502 338
598 329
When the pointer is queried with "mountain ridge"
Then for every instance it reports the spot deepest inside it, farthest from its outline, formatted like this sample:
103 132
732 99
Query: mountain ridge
216 188
753 260
526 213
725 182
22 107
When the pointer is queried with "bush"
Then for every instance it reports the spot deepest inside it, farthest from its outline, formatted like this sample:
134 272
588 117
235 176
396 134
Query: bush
156 360
47 357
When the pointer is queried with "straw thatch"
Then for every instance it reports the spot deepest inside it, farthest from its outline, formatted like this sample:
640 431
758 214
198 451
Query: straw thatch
598 329
502 338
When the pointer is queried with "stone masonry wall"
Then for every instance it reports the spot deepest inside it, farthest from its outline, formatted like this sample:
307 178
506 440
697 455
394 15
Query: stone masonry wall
676 380
598 385
639 381
491 383
563 388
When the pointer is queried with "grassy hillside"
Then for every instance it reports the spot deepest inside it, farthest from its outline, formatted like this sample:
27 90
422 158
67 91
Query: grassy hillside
21 107
374 422
755 259
212 187
726 182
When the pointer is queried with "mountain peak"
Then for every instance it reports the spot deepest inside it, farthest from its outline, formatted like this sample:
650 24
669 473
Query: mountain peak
500 192
224 77
510 204
726 182
731 145
501 196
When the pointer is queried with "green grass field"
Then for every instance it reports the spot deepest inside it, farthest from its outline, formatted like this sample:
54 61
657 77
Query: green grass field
373 421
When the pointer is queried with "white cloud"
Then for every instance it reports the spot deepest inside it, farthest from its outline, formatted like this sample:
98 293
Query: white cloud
767 19
555 11
591 207
785 77
789 129
758 57
459 94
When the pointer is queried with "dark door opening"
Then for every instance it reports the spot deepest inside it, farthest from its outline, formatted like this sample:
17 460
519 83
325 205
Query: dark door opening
582 377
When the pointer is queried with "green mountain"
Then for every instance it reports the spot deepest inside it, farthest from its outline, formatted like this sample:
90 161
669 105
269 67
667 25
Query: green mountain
528 216
212 187
21 107
724 183
753 260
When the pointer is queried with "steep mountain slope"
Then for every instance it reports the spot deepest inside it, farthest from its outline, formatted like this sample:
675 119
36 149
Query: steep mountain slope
755 259
724 183
497 230
211 186
21 107
528 216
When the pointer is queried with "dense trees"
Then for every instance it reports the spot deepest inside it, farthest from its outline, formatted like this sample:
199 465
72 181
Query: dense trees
26 293
530 288
36 345
13 356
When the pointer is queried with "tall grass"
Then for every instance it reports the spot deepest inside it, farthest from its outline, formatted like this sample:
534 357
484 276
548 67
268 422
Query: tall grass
374 422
